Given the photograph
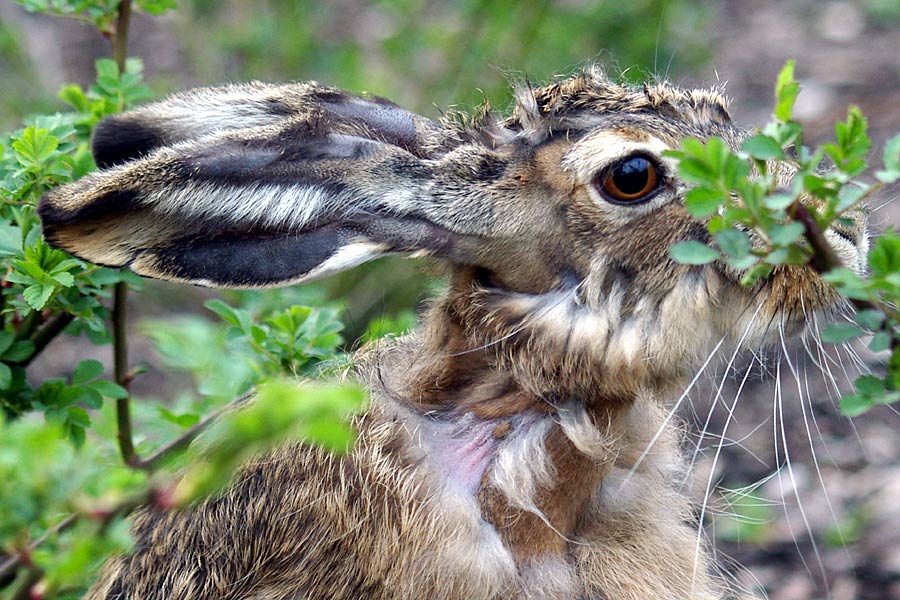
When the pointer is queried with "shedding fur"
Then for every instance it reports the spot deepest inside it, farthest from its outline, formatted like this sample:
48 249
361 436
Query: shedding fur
519 442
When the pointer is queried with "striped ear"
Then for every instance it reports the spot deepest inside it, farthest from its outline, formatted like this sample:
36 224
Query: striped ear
202 112
267 206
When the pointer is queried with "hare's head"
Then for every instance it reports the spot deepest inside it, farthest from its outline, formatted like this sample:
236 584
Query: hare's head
557 220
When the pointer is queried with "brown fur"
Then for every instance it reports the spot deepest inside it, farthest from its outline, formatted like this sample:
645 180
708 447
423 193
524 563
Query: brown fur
517 444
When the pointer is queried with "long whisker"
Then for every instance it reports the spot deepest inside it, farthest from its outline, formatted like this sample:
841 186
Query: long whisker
712 472
662 428
812 451
837 389
718 394
790 469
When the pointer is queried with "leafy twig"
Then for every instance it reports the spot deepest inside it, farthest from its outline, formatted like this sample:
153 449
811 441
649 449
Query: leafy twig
106 515
122 377
120 36
9 566
153 462
824 257
119 42
47 333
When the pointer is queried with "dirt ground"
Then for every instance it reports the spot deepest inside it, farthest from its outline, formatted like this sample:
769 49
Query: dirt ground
823 520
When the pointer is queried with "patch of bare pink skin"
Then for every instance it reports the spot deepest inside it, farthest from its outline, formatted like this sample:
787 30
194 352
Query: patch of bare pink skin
463 450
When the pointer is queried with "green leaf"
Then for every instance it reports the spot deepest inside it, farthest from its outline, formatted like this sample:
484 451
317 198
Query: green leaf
10 240
5 377
884 258
38 294
778 256
778 201
870 319
108 389
881 341
851 135
762 147
703 202
853 405
86 371
6 340
74 96
19 351
786 91
843 277
156 7
785 235
742 263
34 146
107 69
848 196
64 279
759 271
838 333
892 154
228 314
259 334
692 253
76 434
733 242
185 420
869 385
91 398
697 171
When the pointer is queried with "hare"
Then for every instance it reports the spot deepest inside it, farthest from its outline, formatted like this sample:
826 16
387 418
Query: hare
518 443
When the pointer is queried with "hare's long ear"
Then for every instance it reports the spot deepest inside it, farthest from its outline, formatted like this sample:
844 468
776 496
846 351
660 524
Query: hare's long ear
292 197
201 112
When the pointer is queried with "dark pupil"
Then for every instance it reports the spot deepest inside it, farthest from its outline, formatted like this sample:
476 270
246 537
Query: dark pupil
631 176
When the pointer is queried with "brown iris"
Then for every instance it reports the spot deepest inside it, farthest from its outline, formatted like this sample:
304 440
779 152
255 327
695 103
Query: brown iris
629 181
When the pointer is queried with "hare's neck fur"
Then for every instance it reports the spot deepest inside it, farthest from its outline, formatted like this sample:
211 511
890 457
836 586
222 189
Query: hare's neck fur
528 422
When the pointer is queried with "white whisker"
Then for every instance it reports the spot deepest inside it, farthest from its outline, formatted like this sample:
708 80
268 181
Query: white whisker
712 472
718 394
790 467
671 414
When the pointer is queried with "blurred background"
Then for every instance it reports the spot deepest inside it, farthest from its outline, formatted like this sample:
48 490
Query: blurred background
828 527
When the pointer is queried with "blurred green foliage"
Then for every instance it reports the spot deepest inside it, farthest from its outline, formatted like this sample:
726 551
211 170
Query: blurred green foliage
746 517
423 53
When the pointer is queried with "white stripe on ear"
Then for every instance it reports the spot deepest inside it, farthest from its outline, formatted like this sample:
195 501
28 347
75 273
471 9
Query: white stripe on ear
346 257
264 204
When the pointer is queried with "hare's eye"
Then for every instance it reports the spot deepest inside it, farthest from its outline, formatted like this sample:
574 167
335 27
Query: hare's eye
629 181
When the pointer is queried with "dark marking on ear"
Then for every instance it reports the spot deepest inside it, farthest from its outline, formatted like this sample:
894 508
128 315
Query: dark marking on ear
245 258
279 108
232 161
240 163
388 122
106 206
408 167
117 140
335 145
489 167
331 95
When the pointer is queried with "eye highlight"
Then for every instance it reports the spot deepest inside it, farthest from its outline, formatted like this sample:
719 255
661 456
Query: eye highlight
632 180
